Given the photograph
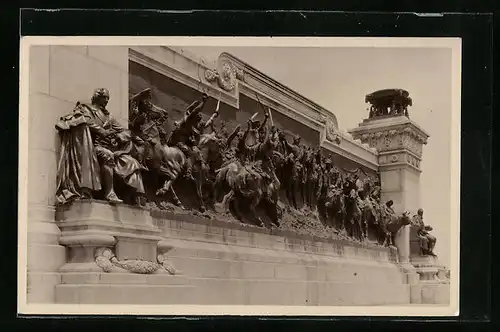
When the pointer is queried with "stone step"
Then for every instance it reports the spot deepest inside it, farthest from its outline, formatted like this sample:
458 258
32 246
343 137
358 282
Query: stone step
122 278
328 271
210 291
123 294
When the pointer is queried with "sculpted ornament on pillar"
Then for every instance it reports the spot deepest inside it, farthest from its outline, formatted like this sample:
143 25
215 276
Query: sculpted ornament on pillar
108 262
388 102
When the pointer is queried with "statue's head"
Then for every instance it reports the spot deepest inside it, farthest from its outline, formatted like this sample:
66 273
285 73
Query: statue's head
328 163
143 99
389 203
100 97
420 212
296 140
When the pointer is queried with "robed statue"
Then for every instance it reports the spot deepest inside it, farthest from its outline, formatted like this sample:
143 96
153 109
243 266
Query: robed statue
96 150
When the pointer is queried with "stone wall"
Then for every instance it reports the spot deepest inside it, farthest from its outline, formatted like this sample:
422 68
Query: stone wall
59 76
231 263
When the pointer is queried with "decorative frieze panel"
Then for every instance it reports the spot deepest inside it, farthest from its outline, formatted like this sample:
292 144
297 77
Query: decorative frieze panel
399 138
399 157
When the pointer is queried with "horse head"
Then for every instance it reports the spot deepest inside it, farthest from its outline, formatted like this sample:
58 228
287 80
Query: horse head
405 219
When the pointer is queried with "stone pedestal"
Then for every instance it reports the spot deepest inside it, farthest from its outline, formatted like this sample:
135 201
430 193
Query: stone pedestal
434 285
59 76
112 256
399 142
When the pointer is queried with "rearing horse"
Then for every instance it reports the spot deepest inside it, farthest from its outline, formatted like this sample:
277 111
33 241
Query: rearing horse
248 183
353 212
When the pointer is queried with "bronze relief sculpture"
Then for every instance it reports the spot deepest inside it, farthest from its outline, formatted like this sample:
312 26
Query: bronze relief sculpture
256 175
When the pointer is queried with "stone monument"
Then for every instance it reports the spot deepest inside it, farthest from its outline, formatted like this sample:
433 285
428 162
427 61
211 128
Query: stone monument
305 217
400 142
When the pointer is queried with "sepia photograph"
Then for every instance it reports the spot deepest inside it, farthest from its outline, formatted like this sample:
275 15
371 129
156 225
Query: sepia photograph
239 176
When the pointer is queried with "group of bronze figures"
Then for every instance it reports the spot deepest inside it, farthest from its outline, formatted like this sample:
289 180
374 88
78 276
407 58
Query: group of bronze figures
245 173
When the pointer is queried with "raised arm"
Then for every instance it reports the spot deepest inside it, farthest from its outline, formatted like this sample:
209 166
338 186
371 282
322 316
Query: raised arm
196 107
210 121
266 116
233 135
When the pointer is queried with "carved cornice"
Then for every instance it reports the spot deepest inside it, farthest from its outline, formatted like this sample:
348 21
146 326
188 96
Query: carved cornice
399 158
189 73
356 153
392 135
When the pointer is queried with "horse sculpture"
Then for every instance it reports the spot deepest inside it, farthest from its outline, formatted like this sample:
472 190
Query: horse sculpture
391 225
250 184
211 148
354 217
335 208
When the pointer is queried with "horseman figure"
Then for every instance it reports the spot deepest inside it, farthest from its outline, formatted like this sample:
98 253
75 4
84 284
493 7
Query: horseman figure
147 123
293 168
185 132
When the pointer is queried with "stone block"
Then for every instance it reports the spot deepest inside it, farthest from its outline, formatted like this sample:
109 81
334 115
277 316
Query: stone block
290 272
44 112
76 278
42 177
391 181
45 258
435 293
121 215
74 76
39 68
257 270
41 226
272 292
416 294
116 56
41 286
209 291
76 48
123 294
129 248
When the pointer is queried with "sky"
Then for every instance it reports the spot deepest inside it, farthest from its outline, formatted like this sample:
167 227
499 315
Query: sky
338 78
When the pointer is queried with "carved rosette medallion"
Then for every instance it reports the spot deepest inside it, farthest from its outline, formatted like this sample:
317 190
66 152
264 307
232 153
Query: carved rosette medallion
108 262
331 133
226 75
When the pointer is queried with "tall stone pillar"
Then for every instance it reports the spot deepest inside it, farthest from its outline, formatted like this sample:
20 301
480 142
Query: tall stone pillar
399 142
59 76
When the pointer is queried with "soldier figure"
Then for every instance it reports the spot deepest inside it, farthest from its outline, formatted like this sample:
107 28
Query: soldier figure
184 134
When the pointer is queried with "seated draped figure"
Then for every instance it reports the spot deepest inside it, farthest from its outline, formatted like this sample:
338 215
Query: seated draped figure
96 150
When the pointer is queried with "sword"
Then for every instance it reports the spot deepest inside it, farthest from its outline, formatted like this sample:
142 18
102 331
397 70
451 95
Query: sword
254 116
270 116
